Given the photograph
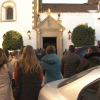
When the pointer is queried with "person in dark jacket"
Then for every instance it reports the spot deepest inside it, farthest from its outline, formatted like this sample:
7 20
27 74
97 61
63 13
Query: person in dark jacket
98 45
65 52
39 54
51 65
91 59
29 69
70 62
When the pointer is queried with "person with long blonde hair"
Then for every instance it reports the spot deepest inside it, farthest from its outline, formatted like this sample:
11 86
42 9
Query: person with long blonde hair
31 74
5 77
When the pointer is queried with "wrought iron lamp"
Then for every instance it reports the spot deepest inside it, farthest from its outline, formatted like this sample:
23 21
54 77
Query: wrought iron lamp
69 33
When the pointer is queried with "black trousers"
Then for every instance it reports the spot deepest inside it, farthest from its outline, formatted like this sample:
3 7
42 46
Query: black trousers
13 84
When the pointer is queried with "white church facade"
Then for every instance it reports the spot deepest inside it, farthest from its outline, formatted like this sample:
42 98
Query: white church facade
48 23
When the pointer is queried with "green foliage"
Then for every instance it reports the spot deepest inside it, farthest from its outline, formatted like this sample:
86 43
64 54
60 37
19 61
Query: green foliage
12 40
83 35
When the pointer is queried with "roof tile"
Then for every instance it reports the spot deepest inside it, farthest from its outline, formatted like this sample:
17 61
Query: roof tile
62 8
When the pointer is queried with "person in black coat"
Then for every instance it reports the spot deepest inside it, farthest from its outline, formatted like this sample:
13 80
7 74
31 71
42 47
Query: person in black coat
40 53
70 62
65 52
91 59
98 45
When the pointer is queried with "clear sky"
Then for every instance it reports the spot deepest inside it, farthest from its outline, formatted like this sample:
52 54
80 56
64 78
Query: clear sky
64 1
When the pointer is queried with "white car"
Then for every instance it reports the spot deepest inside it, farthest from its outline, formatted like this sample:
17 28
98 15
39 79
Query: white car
82 86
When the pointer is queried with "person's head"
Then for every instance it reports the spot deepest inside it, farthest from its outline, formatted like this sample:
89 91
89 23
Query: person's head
71 48
7 53
50 49
10 53
44 49
29 61
98 43
3 57
92 49
65 49
36 50
14 53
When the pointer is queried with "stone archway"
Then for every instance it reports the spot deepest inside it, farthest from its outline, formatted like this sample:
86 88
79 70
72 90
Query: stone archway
50 28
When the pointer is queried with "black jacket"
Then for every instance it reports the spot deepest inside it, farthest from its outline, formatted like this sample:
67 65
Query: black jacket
70 62
40 54
30 86
88 61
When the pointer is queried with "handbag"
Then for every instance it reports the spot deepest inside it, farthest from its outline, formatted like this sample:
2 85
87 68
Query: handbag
16 91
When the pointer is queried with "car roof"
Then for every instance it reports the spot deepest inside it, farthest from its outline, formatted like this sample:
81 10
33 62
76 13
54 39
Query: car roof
77 76
81 47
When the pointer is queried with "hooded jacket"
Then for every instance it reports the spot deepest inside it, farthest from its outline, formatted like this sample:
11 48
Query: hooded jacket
88 61
51 66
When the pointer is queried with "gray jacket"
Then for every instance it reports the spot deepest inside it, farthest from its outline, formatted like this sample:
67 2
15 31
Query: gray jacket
5 83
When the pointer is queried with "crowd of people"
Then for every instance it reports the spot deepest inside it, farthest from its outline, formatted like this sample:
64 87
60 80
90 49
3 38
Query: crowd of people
25 69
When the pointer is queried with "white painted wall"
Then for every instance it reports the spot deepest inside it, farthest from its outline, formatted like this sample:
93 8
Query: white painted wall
71 20
22 24
97 25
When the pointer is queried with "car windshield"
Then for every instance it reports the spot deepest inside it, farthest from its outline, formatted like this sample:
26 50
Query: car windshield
75 77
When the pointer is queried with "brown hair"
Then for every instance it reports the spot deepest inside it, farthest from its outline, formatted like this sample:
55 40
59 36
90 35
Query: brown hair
92 49
50 49
7 53
21 51
98 42
29 62
3 58
14 52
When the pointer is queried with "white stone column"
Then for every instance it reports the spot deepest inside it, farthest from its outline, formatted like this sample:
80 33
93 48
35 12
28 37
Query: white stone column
61 42
38 39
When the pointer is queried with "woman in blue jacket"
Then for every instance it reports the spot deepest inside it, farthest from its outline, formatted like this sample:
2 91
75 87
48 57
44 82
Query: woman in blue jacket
51 65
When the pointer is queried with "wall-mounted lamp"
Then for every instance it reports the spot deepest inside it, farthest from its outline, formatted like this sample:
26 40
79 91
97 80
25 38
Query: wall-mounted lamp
4 36
98 18
29 34
58 16
69 33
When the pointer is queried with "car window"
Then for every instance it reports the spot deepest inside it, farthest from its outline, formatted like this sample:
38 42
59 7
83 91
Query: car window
75 77
90 92
82 51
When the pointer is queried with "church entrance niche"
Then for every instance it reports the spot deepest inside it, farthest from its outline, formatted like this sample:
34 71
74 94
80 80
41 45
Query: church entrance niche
47 41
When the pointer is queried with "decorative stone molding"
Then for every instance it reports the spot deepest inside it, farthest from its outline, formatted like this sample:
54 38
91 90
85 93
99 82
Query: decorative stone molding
35 12
6 5
49 27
